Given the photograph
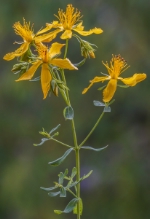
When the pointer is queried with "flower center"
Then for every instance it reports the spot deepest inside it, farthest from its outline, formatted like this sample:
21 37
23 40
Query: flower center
68 18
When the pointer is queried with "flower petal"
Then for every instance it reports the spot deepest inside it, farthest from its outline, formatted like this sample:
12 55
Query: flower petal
63 63
45 79
47 37
95 80
48 27
55 49
109 91
29 74
18 52
86 33
66 35
132 81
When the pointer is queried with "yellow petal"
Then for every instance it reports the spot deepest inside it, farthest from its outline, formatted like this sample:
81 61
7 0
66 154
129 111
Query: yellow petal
86 33
18 52
63 63
29 74
132 81
95 80
66 35
47 37
55 49
45 79
48 27
109 91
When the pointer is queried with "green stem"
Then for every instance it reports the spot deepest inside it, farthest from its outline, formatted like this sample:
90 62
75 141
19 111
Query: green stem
61 143
77 150
96 124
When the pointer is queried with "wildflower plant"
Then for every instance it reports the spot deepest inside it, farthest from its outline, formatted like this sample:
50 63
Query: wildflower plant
35 52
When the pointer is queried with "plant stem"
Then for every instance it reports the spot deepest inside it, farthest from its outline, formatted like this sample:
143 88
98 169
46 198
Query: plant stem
61 143
77 149
96 124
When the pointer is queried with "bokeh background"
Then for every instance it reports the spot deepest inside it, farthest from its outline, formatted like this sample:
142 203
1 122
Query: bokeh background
119 185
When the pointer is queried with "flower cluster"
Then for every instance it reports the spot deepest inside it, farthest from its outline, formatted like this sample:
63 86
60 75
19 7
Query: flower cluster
69 22
46 57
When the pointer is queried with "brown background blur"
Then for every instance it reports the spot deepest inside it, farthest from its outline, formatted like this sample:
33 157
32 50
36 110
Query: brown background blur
119 185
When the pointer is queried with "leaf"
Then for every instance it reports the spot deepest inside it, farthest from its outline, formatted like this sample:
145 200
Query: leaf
98 103
42 142
54 129
123 86
62 192
101 88
61 178
94 149
74 172
69 207
107 109
53 194
68 113
48 189
36 79
80 63
80 207
61 159
86 176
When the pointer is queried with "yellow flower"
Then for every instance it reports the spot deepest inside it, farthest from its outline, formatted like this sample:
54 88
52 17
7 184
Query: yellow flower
46 58
71 21
115 69
28 36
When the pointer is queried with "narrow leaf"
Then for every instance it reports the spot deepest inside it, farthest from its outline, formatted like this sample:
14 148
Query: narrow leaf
58 212
54 129
87 175
61 178
42 142
53 194
123 86
101 88
62 192
61 159
48 189
80 207
68 113
98 103
107 109
36 79
74 172
94 149
69 207
80 63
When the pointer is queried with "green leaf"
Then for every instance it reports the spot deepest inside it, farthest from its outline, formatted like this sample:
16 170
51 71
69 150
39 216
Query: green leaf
68 113
87 175
48 189
74 172
80 207
53 194
36 79
62 192
69 207
54 129
42 142
123 86
98 103
94 149
107 109
101 88
58 212
80 63
61 159
61 178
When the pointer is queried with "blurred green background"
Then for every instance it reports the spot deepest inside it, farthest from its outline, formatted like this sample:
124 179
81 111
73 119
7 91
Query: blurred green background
119 185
